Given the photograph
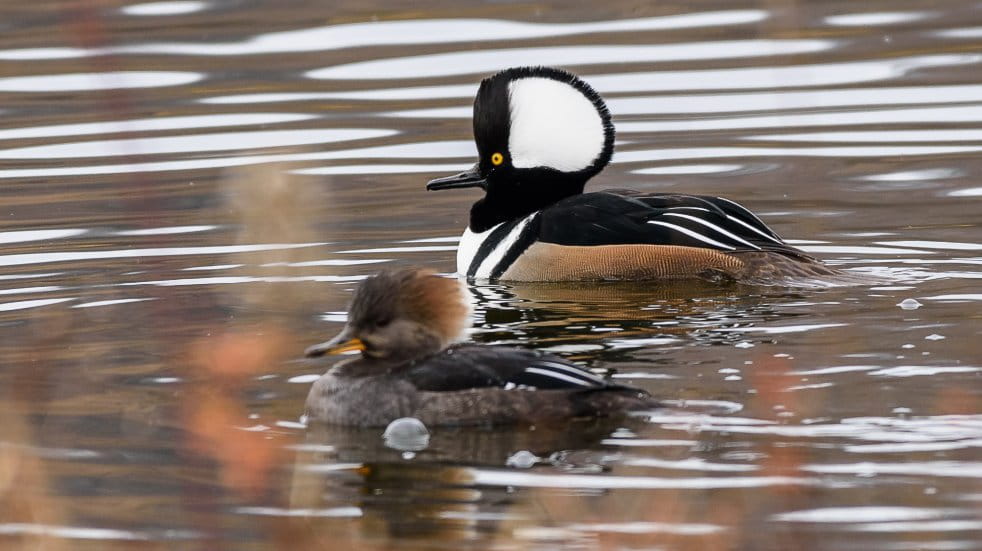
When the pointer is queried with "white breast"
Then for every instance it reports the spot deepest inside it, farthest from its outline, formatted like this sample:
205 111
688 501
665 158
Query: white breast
470 242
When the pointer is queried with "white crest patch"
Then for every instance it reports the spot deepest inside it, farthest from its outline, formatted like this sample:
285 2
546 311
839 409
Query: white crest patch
552 124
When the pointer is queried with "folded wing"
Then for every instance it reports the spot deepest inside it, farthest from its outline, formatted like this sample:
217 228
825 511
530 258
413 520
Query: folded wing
470 366
623 217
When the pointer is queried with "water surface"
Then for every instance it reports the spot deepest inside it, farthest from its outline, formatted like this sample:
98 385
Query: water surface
190 191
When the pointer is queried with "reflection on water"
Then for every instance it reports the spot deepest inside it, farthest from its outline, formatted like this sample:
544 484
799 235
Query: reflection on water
191 190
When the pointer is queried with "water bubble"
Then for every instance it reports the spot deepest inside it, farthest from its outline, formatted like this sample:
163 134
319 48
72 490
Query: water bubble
522 459
406 434
934 337
909 304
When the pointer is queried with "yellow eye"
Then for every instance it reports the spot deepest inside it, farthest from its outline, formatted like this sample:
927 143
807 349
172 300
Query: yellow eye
497 159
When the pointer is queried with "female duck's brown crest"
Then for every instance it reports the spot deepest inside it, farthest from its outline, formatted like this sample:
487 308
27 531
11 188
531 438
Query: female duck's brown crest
418 295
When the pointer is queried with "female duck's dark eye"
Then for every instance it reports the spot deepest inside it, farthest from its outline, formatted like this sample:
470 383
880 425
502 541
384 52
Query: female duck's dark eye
384 322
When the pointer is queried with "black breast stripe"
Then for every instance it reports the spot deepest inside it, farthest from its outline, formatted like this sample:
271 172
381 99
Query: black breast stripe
488 245
528 236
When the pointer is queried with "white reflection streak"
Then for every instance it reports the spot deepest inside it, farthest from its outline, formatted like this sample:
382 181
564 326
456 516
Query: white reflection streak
25 304
879 136
780 330
741 152
535 480
378 169
344 512
164 8
925 526
391 94
151 125
915 175
941 245
691 464
818 74
861 514
967 192
970 113
771 101
194 143
469 62
875 18
170 230
38 235
457 150
22 290
968 32
427 31
679 103
845 249
111 302
961 469
462 149
796 99
69 532
229 280
680 529
78 82
41 258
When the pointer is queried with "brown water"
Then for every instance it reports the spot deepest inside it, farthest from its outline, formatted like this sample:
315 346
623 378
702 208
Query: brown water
188 199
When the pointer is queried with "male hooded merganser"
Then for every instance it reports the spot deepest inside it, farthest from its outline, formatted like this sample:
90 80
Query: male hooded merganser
404 323
541 133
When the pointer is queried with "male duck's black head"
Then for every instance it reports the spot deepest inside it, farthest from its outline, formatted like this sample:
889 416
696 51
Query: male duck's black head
541 133
400 316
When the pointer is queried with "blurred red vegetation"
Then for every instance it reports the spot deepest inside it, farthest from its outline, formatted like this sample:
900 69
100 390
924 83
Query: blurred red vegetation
214 416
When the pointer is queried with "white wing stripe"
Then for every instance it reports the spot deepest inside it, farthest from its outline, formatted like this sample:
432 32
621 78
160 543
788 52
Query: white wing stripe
742 208
558 376
713 227
691 208
692 234
748 226
574 370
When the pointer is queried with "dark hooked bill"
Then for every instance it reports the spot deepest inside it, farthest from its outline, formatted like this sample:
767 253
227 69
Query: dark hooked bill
468 178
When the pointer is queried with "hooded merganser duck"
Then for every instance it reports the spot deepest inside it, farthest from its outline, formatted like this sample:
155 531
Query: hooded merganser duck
405 324
541 133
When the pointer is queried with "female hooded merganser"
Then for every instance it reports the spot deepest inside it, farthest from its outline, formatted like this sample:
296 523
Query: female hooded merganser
404 323
541 133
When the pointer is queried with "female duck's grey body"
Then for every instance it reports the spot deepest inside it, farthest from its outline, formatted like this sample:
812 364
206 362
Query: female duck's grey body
403 323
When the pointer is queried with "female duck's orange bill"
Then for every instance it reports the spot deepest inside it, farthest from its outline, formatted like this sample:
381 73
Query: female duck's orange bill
338 345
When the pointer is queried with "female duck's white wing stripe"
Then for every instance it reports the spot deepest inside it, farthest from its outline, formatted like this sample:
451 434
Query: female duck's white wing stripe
558 376
692 234
713 227
586 375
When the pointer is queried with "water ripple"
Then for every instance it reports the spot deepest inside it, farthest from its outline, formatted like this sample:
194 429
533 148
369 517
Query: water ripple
193 143
482 61
151 125
82 82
